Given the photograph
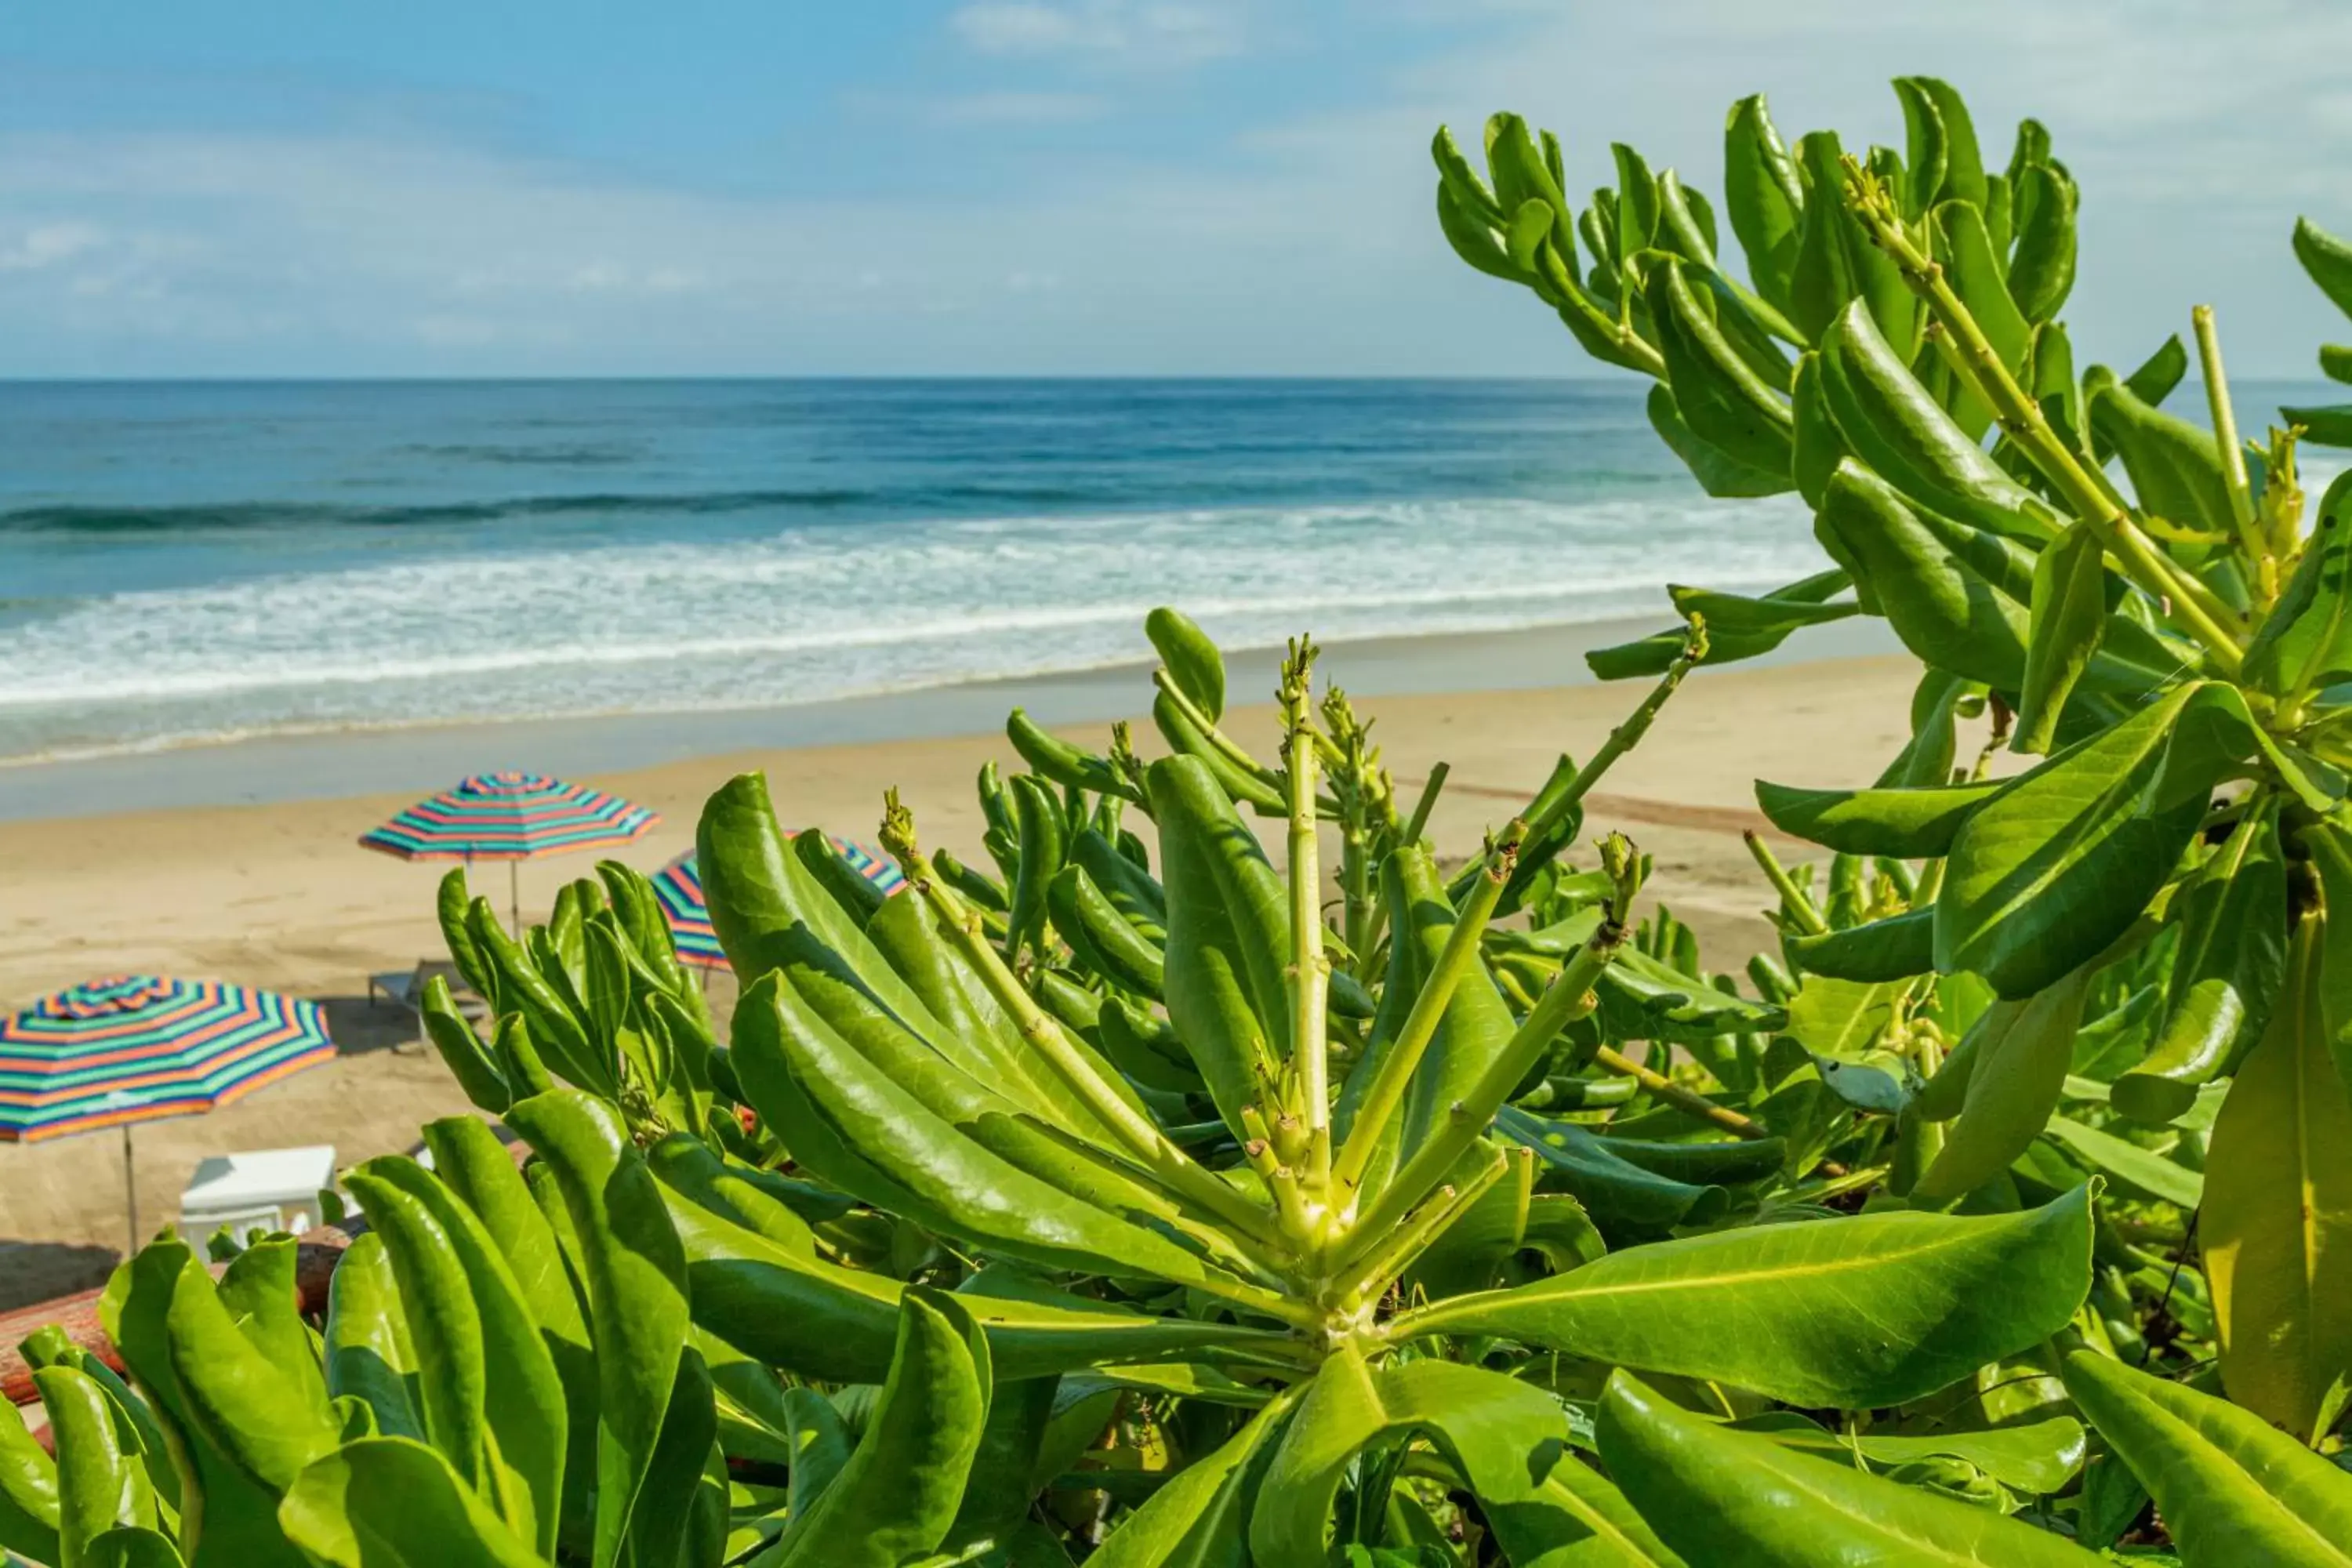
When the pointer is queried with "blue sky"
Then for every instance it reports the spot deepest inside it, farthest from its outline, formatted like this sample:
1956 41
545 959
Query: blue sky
258 187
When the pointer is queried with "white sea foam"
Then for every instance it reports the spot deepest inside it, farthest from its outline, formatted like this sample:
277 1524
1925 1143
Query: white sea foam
838 610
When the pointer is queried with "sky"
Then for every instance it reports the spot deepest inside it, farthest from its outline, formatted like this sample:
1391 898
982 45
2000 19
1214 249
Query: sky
569 187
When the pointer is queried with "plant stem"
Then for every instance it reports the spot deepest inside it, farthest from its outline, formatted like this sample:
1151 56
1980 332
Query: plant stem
1567 998
1223 742
1453 962
1690 1102
1792 898
1310 965
2232 454
1280 1180
2190 602
1371 1274
960 923
1430 791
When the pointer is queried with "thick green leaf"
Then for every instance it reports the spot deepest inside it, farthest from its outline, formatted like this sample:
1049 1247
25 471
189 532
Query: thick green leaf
100 1481
1612 1190
2277 1228
1979 275
2048 875
2226 973
1644 998
1721 1496
2017 1066
1940 584
1898 430
259 1413
2143 1171
28 1491
821 1320
445 1323
1718 472
1198 1518
1508 1439
634 1269
1894 948
2069 616
1916 824
2232 1489
2037 1457
2328 260
2175 466
369 1354
390 1502
1738 626
131 1546
854 1127
240 1528
1220 996
524 1404
1762 199
896 1496
1848 1313
2042 267
1722 401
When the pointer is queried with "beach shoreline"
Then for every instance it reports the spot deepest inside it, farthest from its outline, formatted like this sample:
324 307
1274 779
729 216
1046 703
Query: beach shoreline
327 764
275 893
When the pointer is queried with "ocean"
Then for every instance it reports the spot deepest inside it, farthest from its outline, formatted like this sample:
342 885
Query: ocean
191 562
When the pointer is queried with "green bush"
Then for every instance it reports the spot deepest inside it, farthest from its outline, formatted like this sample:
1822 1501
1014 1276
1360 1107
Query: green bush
1118 1205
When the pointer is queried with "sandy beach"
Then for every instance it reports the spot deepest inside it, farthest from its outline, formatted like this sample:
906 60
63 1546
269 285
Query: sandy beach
275 892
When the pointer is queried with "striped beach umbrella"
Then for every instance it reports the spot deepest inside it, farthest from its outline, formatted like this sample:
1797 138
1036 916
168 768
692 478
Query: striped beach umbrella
136 1048
679 885
512 818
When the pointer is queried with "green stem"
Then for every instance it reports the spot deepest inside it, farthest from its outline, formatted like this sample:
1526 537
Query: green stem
1310 965
1547 809
1386 1091
1690 1102
1792 898
1223 742
1430 791
1371 1275
2232 454
1281 1180
1566 999
2191 602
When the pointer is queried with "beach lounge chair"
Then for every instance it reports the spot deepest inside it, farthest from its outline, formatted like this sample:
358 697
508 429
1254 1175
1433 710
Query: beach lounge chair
267 1189
405 988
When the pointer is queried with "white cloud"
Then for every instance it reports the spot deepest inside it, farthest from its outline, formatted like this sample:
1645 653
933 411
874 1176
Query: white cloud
1301 243
1016 108
1120 32
48 244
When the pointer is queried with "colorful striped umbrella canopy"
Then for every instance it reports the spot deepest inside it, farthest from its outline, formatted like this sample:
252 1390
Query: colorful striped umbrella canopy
679 885
134 1048
513 817
510 816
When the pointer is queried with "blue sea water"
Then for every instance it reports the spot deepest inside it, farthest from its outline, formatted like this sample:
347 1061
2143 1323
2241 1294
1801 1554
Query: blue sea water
193 560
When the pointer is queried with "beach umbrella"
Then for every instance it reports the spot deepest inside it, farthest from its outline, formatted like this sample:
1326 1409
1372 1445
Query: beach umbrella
512 818
679 885
136 1048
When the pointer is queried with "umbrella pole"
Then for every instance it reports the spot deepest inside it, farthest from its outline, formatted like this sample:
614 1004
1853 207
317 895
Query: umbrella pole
514 891
131 1189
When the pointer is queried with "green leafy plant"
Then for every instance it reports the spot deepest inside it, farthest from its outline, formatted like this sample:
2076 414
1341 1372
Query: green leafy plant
2097 954
1130 1200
